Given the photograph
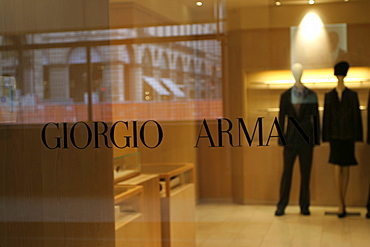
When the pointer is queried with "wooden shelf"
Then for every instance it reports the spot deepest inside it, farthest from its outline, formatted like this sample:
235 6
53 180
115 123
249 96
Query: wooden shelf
168 171
128 204
125 218
124 192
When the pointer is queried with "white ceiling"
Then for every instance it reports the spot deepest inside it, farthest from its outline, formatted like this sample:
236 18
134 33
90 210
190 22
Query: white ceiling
249 3
208 5
244 3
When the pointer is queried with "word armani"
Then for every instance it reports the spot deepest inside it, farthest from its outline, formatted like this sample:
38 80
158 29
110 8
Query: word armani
242 129
63 135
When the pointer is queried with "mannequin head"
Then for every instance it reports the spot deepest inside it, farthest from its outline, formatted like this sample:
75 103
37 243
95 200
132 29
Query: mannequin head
341 69
297 71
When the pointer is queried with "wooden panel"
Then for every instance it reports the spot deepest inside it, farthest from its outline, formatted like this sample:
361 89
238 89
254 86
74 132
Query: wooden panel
266 49
21 188
53 197
178 218
151 229
131 235
43 15
214 170
178 144
131 14
358 44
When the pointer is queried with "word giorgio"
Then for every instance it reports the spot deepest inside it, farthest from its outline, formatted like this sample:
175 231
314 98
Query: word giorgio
81 135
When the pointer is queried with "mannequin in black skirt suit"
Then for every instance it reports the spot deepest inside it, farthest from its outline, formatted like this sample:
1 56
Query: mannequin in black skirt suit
368 205
342 127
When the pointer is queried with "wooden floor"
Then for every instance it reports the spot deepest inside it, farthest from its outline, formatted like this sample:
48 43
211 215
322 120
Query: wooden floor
240 225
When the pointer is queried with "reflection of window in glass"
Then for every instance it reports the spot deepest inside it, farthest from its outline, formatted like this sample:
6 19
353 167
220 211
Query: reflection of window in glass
180 74
128 73
97 87
212 84
77 82
46 82
78 75
202 89
148 92
164 66
191 86
60 70
11 61
165 73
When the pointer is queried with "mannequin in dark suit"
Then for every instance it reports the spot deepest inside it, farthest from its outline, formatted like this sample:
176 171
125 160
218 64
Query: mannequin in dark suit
368 142
300 103
342 127
368 206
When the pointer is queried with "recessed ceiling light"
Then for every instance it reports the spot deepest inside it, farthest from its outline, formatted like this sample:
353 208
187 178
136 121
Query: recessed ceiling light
277 3
311 2
199 3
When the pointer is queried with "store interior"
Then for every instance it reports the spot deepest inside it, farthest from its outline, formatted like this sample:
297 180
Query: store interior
120 120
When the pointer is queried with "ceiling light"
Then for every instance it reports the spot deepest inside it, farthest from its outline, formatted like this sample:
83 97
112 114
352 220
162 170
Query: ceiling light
311 2
199 3
311 26
277 3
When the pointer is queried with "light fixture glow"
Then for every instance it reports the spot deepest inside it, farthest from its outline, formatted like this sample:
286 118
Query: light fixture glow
311 2
277 3
311 26
199 3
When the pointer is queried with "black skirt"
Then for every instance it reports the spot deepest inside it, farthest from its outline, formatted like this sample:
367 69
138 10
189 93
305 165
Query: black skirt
342 152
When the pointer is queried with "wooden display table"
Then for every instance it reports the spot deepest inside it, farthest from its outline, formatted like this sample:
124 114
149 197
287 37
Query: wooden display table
147 230
128 201
177 202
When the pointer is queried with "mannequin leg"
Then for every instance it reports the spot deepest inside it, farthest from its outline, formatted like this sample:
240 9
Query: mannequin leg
305 165
368 205
290 155
341 179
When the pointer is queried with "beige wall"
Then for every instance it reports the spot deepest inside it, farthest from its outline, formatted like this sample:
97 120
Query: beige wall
157 12
259 40
53 197
244 175
271 16
44 15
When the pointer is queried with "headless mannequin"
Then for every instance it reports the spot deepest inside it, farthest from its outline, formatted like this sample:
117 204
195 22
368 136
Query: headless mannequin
340 86
297 71
341 173
342 127
301 103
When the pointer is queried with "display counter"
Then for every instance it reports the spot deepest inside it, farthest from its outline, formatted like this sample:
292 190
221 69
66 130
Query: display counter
177 202
128 204
148 232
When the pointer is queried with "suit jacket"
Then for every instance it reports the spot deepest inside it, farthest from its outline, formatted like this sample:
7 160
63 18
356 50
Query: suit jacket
342 118
368 124
308 108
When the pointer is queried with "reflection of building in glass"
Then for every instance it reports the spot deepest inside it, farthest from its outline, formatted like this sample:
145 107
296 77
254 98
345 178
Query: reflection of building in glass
128 65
